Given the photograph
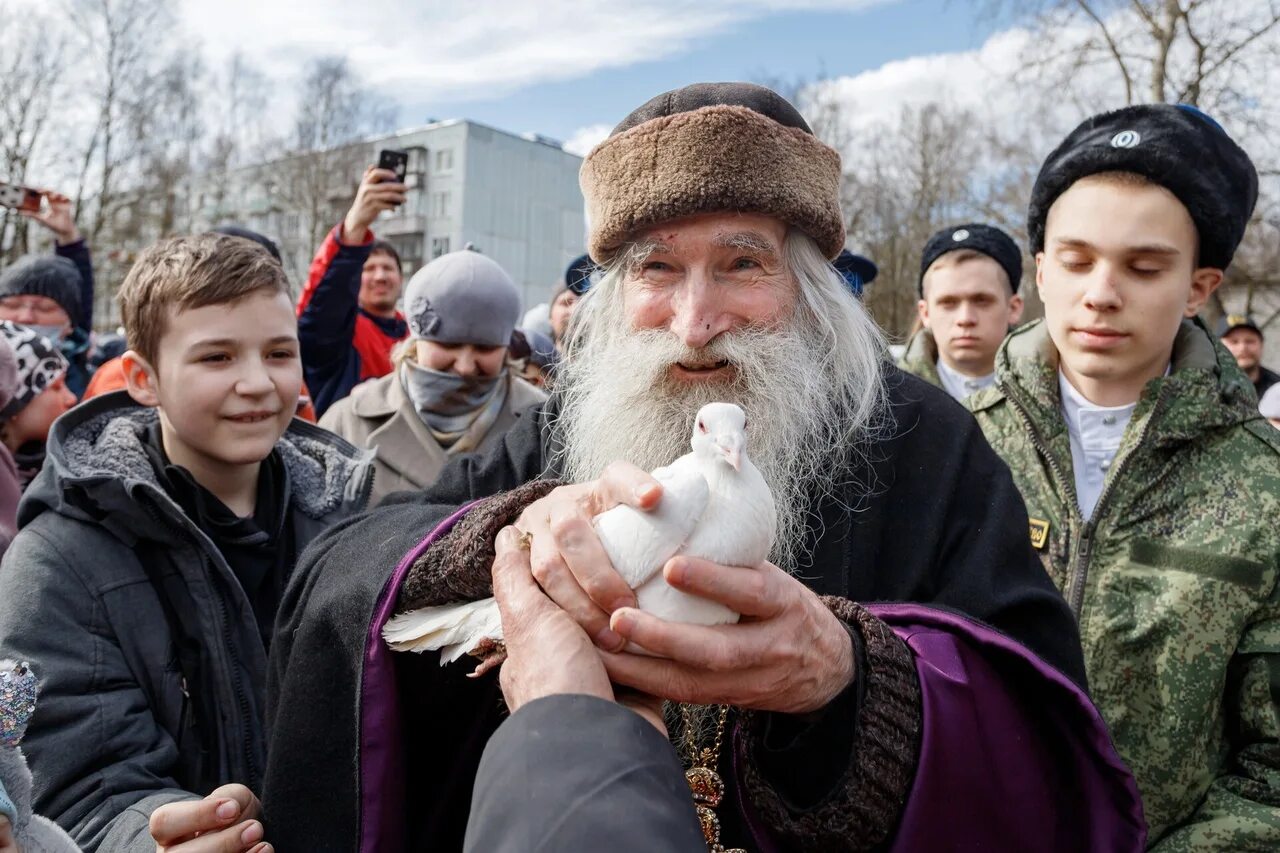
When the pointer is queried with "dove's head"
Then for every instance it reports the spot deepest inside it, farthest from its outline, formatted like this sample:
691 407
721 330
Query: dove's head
721 431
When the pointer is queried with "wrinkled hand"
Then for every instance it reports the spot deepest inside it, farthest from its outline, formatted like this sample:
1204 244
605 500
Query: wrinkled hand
379 190
567 558
7 842
547 652
226 821
58 216
788 653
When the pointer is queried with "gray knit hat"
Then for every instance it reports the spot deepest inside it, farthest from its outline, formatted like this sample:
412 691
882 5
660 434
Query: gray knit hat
45 275
462 298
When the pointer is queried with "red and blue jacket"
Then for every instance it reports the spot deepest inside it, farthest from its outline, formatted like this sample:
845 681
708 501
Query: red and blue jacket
342 344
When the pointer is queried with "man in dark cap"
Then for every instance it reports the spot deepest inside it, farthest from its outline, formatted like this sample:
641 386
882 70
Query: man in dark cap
969 277
816 722
1151 480
1243 337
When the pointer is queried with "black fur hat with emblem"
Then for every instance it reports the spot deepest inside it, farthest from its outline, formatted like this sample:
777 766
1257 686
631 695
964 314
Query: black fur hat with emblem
975 236
1178 147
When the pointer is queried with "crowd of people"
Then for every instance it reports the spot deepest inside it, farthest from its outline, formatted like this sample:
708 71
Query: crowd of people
1025 586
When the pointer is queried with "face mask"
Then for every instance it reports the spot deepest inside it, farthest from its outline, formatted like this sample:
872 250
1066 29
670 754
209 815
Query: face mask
446 395
53 333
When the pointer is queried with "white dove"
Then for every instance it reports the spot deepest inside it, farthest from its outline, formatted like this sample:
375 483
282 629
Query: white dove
715 505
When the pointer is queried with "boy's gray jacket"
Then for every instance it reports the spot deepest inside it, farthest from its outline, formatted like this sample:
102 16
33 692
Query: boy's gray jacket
79 604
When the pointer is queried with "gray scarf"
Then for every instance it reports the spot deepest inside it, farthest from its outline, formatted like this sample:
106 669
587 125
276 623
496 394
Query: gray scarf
458 410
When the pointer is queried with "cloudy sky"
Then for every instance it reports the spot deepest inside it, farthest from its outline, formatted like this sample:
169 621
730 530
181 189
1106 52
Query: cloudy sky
572 70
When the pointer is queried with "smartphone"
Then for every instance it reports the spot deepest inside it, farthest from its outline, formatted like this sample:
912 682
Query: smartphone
20 198
394 161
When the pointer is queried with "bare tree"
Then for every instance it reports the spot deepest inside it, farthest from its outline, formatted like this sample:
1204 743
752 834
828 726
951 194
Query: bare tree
118 39
911 178
319 178
1178 51
31 69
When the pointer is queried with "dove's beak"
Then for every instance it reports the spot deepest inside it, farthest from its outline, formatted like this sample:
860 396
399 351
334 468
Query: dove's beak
730 447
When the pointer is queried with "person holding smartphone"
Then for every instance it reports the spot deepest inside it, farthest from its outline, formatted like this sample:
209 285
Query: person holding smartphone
54 295
348 321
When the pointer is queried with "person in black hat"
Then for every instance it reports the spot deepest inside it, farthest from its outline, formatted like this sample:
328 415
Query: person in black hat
1151 482
1243 337
969 277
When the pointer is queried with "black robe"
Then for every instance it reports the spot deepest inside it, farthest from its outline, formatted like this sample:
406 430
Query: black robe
944 525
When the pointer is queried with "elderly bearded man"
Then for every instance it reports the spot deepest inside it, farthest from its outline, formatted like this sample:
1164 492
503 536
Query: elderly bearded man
949 711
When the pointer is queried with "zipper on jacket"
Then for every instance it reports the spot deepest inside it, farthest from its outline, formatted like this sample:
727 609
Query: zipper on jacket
254 781
184 714
1078 569
245 735
1080 565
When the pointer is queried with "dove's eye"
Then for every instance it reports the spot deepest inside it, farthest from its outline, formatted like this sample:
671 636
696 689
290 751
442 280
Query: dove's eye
702 427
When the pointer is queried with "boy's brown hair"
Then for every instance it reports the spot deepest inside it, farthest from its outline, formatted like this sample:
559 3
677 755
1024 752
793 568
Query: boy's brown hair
192 272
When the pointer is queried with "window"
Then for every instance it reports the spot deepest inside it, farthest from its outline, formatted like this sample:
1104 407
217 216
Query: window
439 246
440 205
444 160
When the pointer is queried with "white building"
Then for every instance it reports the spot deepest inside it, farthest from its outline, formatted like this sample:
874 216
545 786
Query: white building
515 199
512 197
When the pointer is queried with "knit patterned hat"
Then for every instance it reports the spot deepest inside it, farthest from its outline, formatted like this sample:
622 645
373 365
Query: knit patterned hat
39 363
710 148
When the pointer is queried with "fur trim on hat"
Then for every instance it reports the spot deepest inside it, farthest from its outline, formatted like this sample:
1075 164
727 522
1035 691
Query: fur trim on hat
709 160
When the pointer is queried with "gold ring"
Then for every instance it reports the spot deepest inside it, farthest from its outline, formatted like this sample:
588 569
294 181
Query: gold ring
524 543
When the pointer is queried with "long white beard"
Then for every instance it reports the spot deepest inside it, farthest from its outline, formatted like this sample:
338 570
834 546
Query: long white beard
621 403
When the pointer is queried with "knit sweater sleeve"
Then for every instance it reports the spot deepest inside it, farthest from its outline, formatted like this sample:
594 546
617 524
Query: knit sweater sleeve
837 779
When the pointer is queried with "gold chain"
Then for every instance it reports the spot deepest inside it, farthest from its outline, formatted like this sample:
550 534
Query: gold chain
705 782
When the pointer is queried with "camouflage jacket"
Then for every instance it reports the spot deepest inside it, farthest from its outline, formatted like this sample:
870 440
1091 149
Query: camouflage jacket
921 357
1173 581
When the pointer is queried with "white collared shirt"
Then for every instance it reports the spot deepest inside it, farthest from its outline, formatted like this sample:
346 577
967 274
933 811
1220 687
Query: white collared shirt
1096 433
960 386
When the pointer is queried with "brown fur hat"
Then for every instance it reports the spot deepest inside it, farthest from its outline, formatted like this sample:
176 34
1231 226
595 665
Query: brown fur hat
706 148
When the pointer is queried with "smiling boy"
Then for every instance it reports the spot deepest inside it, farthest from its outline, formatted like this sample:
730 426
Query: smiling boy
1152 483
154 550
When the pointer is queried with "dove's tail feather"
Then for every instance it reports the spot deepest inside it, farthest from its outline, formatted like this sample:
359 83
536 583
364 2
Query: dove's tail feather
454 629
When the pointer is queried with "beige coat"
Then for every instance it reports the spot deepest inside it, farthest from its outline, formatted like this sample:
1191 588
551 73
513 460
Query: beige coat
380 416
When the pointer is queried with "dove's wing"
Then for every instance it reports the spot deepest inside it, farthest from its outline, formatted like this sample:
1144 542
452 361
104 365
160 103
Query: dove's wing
640 543
455 629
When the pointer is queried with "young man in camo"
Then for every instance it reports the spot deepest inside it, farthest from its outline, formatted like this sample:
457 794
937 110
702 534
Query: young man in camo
1151 482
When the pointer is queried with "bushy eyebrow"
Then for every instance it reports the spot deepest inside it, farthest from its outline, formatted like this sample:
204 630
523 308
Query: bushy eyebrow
750 241
638 252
